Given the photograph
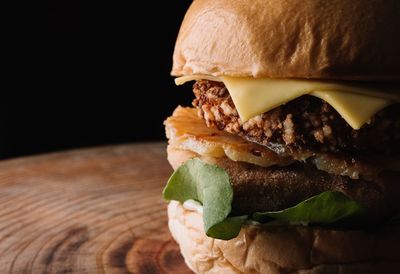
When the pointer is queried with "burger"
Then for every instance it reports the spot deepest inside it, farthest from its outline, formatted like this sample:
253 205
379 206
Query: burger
289 159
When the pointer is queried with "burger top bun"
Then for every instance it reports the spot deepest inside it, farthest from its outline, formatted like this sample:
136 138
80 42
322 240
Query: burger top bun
336 39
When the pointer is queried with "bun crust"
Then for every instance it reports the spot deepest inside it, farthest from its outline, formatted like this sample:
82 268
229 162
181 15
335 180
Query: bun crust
337 39
284 249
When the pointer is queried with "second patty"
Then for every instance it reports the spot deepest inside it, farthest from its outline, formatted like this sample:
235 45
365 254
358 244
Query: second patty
304 123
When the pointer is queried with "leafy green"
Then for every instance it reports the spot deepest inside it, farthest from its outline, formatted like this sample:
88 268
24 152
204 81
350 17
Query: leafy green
327 207
209 185
228 228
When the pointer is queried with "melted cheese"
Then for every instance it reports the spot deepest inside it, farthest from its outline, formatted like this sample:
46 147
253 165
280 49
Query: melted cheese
356 109
181 80
356 103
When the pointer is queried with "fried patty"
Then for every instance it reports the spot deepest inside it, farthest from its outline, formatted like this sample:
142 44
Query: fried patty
258 189
304 123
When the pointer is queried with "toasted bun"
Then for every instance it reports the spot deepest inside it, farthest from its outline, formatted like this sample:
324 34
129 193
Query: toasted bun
337 39
284 249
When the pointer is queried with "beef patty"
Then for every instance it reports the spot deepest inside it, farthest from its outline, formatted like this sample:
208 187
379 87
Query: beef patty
304 123
258 189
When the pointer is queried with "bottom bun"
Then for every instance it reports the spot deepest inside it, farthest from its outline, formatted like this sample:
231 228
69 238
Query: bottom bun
270 249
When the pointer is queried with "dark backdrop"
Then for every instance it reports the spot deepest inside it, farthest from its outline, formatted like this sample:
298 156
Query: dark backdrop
83 74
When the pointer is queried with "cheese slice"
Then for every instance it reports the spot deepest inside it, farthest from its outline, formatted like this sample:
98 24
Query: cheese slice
356 103
356 109
183 79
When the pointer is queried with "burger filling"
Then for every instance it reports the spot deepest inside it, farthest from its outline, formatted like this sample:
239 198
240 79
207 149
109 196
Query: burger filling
300 162
304 123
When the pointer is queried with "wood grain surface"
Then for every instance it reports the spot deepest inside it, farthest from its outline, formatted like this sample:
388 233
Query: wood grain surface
87 211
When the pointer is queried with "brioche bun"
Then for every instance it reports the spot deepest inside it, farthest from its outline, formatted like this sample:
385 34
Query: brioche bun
337 39
277 249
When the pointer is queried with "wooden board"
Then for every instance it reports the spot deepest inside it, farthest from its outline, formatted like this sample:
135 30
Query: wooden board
87 211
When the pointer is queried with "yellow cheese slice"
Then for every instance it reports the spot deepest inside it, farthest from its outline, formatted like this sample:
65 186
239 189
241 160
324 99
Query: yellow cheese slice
356 103
356 109
181 80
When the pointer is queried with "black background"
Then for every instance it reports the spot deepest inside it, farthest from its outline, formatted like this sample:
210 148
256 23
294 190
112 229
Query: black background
83 74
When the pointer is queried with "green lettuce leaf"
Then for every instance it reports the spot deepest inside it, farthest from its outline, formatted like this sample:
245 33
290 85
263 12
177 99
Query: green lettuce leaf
228 228
325 208
209 185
